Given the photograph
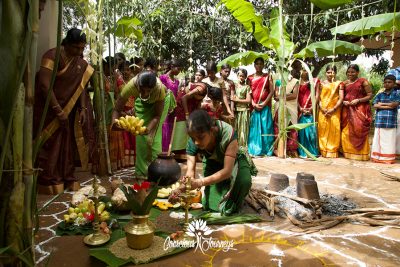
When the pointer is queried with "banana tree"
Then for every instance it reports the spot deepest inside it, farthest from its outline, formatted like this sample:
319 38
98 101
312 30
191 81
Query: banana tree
242 58
276 38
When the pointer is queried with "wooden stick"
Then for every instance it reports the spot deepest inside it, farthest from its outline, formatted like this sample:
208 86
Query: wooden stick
393 177
272 203
382 210
298 199
172 137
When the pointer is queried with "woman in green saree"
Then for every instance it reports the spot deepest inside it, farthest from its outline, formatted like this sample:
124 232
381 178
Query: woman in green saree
227 169
151 105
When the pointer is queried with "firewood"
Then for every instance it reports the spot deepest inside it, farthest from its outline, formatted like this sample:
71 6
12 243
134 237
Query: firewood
272 207
298 199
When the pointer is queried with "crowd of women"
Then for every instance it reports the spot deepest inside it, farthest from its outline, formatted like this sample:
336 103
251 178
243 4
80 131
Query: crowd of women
342 124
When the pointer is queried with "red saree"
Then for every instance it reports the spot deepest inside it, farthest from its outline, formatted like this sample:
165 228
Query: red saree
358 117
304 98
257 85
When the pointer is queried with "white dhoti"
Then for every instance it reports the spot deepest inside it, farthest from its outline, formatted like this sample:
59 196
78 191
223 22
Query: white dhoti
384 145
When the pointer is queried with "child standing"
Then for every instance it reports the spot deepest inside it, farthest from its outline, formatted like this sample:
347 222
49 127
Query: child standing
242 100
385 103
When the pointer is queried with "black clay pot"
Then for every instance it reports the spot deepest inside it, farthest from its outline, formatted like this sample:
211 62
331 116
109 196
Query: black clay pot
166 168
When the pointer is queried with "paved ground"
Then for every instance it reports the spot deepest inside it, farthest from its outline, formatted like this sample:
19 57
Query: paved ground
269 243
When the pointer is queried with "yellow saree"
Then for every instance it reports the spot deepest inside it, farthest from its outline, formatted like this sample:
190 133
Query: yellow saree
329 126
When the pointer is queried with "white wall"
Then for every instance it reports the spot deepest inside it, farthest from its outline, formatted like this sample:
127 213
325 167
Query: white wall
47 29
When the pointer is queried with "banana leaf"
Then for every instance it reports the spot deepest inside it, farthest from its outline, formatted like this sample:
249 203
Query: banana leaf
104 254
329 48
244 12
370 25
328 4
276 38
299 126
217 218
128 27
308 153
242 58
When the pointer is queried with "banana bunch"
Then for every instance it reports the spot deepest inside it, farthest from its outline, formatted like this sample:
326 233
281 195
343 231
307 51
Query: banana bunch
131 124
166 191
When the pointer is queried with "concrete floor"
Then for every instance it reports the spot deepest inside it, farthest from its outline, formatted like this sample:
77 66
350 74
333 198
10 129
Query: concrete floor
269 243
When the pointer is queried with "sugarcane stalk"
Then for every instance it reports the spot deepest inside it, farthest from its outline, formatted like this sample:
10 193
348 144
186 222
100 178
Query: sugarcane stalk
28 175
100 121
9 8
14 216
282 136
100 52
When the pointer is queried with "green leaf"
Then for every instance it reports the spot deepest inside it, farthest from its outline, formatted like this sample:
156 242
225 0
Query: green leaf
2 250
329 48
129 21
148 201
133 204
212 218
275 36
244 12
242 58
370 25
128 27
300 126
308 153
328 4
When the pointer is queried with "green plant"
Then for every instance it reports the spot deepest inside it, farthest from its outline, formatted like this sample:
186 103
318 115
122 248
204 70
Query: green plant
140 197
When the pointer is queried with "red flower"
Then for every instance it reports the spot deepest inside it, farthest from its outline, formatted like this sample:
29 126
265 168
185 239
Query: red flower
145 185
136 187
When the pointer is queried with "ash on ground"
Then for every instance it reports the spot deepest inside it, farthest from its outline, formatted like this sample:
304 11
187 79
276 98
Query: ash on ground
332 205
294 208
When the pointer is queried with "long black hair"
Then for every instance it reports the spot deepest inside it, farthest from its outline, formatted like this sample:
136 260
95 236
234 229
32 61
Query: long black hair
200 122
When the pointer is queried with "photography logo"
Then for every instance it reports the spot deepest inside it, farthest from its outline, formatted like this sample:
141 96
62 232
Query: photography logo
200 238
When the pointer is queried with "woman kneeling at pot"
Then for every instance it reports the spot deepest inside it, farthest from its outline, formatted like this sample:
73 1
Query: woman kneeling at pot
227 169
